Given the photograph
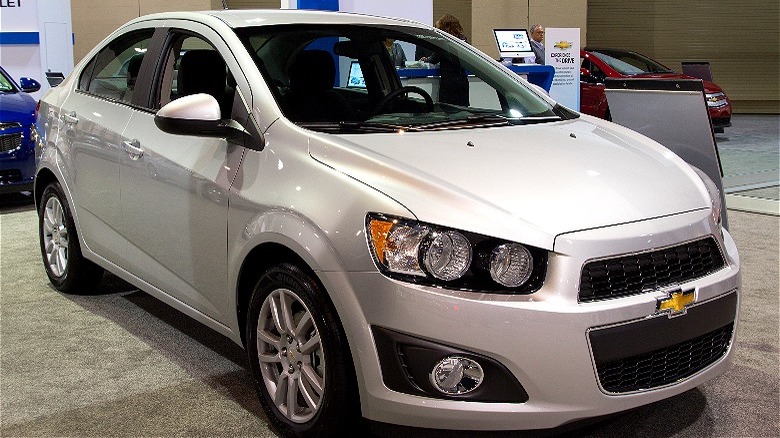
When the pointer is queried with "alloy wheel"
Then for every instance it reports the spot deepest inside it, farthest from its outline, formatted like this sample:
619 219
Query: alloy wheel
290 354
55 237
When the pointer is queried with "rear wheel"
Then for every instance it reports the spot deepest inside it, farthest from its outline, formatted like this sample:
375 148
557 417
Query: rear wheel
299 355
65 266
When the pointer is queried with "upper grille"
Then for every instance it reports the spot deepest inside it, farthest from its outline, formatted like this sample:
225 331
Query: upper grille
666 365
8 125
637 273
10 142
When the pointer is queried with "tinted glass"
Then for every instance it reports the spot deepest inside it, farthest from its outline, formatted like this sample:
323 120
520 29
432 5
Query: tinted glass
114 71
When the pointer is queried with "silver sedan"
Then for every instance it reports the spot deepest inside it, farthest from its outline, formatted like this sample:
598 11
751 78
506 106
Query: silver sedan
452 250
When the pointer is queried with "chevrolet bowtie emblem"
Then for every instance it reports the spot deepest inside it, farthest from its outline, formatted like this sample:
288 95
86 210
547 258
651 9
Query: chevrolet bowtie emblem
676 302
563 45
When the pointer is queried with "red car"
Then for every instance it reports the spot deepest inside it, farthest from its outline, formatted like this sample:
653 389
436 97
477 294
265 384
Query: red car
598 64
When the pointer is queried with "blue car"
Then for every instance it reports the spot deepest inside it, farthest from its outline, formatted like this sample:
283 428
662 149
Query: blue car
17 119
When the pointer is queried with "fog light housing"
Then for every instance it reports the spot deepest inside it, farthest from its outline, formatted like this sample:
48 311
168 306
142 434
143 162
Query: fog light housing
457 375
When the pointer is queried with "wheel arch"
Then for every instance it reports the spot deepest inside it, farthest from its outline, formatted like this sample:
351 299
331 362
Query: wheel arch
257 261
42 180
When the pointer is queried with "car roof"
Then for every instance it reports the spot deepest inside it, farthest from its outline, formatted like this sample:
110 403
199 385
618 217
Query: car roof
268 17
607 49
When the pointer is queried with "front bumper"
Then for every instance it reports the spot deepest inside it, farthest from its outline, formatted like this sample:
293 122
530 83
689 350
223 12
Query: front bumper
543 340
17 160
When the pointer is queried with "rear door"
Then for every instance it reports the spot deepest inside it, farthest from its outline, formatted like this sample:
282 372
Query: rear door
92 120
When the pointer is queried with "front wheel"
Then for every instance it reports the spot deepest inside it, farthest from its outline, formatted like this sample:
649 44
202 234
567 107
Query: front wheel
66 268
299 355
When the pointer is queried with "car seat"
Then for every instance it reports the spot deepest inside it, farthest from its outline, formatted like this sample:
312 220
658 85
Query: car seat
204 71
133 67
311 97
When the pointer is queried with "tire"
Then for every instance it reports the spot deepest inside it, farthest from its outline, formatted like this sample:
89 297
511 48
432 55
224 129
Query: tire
295 341
66 267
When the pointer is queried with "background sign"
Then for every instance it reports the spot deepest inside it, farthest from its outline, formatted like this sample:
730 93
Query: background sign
562 52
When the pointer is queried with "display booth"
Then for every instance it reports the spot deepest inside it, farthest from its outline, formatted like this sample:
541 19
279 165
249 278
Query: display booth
36 40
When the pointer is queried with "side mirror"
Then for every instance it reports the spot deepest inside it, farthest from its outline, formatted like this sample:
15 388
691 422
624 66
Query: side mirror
585 74
29 85
196 114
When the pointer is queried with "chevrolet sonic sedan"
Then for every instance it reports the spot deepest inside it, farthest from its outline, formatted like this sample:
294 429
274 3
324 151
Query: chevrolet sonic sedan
380 252
17 146
599 64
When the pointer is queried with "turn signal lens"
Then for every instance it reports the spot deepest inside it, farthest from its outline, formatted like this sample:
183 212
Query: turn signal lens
448 256
510 264
397 245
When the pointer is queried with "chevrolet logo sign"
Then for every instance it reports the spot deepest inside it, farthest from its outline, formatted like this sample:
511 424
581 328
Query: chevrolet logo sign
675 302
563 45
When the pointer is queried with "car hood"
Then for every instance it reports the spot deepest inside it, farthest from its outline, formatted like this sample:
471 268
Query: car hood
709 87
526 183
16 107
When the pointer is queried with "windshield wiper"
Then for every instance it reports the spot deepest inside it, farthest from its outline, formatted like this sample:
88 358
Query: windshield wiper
354 127
472 121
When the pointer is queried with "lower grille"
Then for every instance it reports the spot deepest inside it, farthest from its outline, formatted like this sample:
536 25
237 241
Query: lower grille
637 273
10 175
665 366
10 142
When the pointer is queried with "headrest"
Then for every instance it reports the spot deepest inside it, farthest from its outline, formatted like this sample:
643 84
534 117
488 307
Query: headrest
312 70
201 71
133 67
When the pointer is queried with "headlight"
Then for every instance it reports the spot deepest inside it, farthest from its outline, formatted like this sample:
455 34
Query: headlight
510 264
714 193
429 254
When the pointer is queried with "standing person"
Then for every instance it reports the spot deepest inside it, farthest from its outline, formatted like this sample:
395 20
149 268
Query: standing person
537 42
397 54
453 82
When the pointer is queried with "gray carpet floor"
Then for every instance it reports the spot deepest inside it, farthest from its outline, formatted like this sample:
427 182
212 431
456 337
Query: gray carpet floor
121 363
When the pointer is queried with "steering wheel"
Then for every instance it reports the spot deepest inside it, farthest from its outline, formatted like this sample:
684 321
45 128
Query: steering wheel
404 90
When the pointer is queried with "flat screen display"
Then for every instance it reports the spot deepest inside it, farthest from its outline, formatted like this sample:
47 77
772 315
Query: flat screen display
355 79
513 43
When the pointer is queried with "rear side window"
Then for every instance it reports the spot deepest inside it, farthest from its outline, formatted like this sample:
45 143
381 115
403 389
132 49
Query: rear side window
113 72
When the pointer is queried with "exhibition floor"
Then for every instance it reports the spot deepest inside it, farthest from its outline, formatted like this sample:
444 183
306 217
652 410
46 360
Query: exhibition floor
121 363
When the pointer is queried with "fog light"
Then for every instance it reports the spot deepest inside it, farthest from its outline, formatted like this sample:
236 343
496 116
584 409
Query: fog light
511 264
456 375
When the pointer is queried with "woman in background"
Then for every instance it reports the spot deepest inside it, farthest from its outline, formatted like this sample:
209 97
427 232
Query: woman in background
453 83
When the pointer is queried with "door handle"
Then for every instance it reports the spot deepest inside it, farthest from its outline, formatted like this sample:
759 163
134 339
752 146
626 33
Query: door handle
70 118
133 149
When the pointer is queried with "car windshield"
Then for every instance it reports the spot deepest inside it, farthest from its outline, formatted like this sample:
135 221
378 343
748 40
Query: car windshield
6 84
630 63
360 78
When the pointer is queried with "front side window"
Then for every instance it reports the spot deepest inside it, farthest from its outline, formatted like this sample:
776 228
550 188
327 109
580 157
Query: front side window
193 66
113 72
6 84
358 79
